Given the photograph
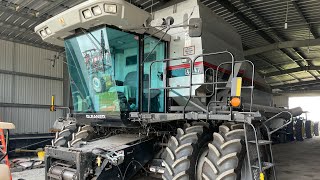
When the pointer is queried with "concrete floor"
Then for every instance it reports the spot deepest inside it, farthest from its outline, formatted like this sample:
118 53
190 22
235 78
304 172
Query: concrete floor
34 174
294 160
298 160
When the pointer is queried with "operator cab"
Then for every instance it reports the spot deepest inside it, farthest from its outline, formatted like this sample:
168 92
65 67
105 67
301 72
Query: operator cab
104 71
108 53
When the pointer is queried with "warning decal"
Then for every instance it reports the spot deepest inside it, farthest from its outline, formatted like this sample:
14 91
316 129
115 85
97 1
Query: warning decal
187 51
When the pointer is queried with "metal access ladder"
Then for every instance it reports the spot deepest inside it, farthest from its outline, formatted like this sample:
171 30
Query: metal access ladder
263 166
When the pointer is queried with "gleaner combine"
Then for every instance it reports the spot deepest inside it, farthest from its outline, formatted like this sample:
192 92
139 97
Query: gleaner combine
167 92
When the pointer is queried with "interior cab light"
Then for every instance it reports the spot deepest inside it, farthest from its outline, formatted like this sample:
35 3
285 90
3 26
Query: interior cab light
87 14
96 10
110 8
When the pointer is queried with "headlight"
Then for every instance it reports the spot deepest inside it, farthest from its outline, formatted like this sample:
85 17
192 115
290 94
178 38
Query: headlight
87 14
110 8
48 31
96 10
43 33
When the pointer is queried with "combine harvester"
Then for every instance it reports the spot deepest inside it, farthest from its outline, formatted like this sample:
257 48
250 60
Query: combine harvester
168 92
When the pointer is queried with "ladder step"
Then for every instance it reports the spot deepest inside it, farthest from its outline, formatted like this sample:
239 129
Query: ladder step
265 166
261 142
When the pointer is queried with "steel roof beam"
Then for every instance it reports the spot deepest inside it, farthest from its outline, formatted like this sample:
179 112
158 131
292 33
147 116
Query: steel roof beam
302 55
30 75
266 24
231 8
276 67
15 27
313 31
24 12
24 31
279 36
293 70
263 59
282 45
51 6
45 12
301 90
294 85
26 42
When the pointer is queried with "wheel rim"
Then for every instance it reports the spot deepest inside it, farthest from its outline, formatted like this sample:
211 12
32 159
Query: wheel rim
96 84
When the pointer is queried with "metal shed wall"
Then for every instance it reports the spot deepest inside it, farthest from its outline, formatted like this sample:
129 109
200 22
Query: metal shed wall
281 101
27 81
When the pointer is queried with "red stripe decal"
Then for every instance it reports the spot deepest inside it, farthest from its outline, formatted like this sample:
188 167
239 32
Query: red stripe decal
181 66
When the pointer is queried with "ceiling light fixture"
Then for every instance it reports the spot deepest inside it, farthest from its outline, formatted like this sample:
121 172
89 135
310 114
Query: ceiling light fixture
286 21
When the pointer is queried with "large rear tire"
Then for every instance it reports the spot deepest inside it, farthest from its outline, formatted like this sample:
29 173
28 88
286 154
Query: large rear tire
316 128
282 137
308 127
299 130
184 150
64 136
290 135
73 135
84 133
227 157
189 156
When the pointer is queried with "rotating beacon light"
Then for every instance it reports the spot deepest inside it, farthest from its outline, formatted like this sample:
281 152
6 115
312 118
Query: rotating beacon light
236 85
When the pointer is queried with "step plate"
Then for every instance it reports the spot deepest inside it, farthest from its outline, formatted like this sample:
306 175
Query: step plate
261 142
265 166
114 143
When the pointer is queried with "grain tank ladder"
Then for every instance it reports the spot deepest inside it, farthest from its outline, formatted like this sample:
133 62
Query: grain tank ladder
235 68
191 63
264 166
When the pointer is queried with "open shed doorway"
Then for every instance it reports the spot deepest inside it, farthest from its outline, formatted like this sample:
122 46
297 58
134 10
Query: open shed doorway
309 104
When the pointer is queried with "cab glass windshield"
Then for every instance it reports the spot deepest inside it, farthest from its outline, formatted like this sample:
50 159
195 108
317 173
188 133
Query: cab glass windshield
103 68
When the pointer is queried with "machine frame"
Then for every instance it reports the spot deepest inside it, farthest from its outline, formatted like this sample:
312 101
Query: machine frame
75 155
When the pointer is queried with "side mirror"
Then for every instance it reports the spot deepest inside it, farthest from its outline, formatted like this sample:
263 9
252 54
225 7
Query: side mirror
195 27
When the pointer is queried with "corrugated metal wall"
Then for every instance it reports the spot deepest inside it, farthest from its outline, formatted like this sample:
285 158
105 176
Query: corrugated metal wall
281 101
26 85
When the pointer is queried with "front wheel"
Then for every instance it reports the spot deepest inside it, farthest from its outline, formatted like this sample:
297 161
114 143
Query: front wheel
316 128
227 156
299 126
223 158
73 135
185 150
309 129
98 84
